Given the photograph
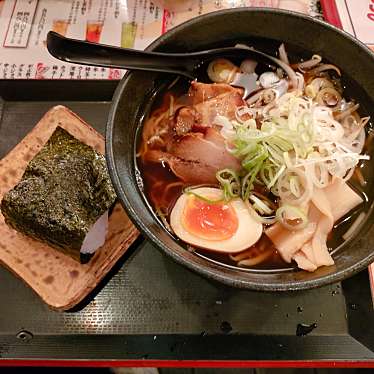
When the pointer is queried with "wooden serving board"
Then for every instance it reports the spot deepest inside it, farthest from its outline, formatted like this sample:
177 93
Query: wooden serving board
58 279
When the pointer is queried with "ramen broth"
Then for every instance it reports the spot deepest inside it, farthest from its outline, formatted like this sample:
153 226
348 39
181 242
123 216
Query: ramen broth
162 187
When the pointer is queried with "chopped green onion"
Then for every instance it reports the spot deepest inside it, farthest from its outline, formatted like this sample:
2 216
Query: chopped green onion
260 205
257 217
230 183
247 182
257 156
204 198
275 149
297 215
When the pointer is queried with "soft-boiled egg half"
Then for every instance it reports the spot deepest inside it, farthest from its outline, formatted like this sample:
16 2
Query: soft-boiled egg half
202 218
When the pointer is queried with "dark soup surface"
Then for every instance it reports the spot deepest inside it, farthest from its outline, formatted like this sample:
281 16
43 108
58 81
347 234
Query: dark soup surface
275 180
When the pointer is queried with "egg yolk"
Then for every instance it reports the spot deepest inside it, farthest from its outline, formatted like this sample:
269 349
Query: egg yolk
210 221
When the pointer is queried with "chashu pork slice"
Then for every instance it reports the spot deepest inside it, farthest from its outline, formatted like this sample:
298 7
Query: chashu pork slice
196 157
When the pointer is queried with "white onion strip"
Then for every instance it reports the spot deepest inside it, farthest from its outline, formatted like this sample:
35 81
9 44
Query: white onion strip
255 97
297 215
324 67
346 112
315 60
257 217
289 71
262 207
252 261
283 54
286 195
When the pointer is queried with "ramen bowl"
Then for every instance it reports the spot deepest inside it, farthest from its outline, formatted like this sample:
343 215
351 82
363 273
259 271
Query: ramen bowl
265 30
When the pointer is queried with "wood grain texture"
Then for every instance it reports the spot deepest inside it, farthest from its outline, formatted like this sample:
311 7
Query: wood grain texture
58 279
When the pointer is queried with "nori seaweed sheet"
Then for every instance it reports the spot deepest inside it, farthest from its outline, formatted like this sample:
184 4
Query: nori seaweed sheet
63 191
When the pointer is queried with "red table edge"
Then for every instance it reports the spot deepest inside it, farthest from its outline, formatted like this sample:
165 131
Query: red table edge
188 364
330 12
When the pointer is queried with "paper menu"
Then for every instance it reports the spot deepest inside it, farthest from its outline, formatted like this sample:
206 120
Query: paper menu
24 25
353 16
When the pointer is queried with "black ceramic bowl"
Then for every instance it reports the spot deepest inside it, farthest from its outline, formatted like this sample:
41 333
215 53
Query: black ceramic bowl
265 29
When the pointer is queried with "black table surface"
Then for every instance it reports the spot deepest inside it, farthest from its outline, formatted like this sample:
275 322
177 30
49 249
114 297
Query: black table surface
148 307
